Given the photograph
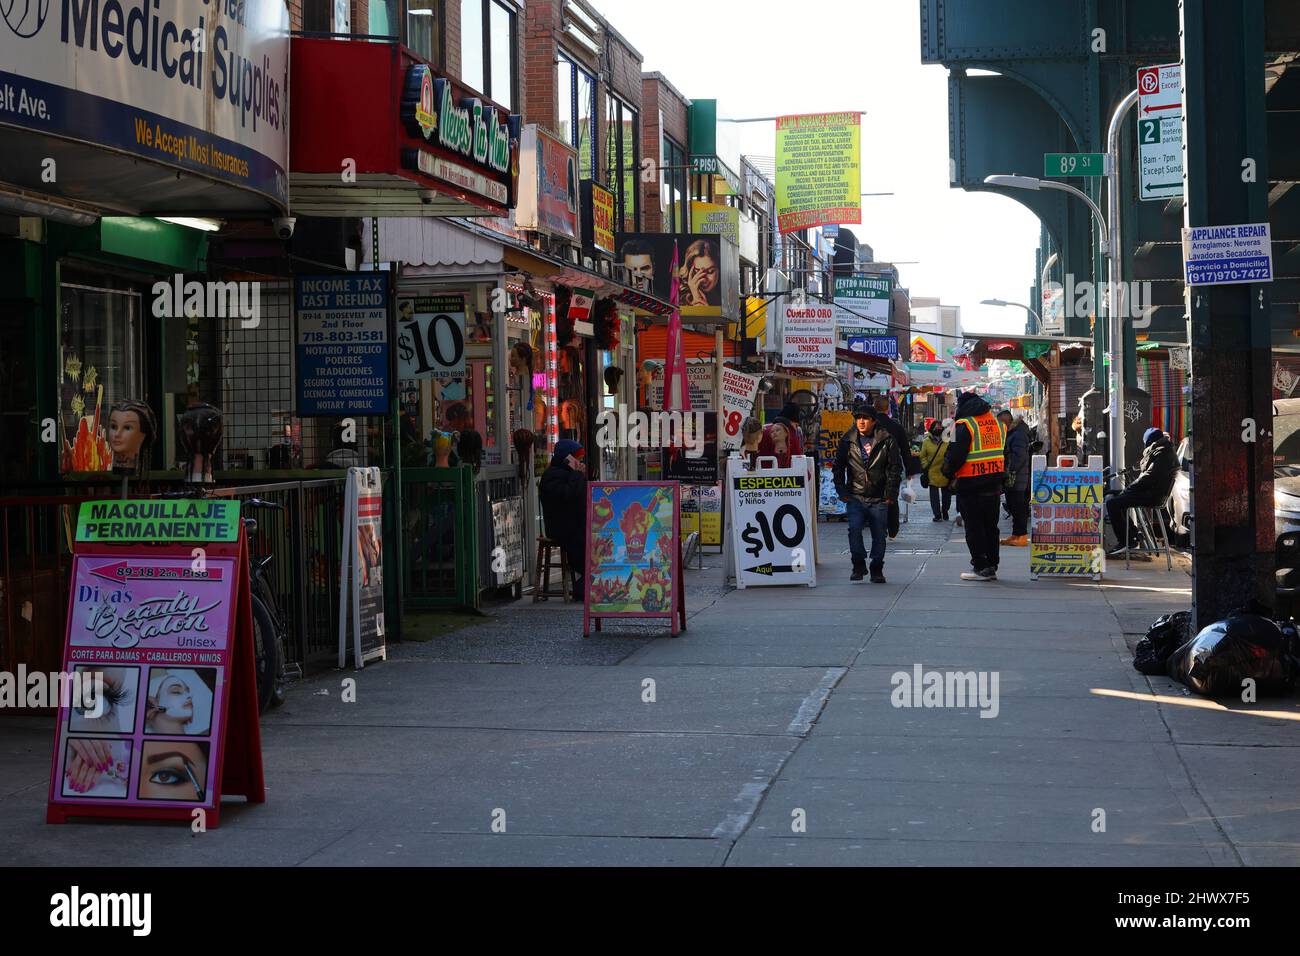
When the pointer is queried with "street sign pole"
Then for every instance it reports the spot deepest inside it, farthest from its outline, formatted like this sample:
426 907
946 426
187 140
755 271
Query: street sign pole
1114 301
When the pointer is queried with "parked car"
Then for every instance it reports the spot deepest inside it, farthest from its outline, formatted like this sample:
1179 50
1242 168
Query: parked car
1286 499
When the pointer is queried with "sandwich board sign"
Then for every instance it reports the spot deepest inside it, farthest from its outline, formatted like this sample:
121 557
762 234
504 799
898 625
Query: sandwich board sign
634 553
361 570
1160 131
771 524
160 622
1066 534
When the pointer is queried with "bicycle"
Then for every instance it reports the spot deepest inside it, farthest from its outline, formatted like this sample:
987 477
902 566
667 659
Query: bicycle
269 632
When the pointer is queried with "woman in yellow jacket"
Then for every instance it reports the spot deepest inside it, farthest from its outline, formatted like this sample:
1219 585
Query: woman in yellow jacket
933 448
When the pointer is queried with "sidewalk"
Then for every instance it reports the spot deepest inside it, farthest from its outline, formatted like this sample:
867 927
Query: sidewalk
773 701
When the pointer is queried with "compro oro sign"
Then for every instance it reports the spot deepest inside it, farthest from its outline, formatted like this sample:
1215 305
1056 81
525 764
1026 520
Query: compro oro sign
818 170
198 85
770 522
807 335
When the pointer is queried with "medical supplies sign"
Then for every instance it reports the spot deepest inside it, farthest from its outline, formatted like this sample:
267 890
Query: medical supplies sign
771 524
1066 537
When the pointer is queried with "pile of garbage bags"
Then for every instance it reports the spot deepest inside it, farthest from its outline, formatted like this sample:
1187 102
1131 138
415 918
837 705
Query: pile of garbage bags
1215 662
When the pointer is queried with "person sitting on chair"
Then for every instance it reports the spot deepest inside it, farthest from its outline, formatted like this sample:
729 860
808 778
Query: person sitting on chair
1150 489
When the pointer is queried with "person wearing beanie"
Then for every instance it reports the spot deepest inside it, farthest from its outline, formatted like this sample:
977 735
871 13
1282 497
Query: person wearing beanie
1018 467
1157 471
563 494
867 472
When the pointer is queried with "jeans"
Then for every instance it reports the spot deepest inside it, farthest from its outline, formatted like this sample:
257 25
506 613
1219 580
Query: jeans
875 516
1018 505
937 495
980 520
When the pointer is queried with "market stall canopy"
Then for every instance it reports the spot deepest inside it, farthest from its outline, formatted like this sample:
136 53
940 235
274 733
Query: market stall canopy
1032 350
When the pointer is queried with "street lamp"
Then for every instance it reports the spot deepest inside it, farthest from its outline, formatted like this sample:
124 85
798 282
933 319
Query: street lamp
1030 182
1038 321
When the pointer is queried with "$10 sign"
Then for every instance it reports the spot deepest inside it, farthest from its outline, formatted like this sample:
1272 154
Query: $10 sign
431 337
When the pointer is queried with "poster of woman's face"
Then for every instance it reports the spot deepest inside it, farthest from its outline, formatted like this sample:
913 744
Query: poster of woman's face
180 701
174 770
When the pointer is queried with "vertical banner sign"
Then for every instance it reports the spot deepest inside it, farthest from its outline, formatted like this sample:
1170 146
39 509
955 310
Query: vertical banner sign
431 337
808 336
159 615
634 566
818 170
342 352
702 512
508 540
1066 535
739 389
361 571
771 517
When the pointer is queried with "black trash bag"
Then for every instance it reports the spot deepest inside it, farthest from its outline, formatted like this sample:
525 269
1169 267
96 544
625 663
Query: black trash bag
1166 635
1216 661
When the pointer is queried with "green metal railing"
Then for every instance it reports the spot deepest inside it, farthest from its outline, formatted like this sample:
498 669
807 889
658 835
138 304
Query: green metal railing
439 531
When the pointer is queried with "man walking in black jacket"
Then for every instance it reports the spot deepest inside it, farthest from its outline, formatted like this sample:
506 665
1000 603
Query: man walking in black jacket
867 471
1150 489
974 463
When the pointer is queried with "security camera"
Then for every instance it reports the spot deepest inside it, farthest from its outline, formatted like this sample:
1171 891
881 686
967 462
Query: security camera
284 226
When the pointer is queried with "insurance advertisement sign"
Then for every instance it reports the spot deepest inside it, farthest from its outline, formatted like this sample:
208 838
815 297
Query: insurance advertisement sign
198 84
342 349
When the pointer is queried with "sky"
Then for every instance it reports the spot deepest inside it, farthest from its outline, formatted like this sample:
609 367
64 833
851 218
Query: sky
761 58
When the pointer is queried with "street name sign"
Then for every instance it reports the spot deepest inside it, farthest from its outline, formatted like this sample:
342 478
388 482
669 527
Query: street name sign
1227 255
1160 132
1060 165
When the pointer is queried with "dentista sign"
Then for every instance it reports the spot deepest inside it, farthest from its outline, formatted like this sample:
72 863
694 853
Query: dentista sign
197 84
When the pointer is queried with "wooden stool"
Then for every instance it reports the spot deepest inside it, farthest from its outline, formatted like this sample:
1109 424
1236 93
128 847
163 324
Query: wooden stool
546 547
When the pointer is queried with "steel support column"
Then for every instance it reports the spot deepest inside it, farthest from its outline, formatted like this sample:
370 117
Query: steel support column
1223 125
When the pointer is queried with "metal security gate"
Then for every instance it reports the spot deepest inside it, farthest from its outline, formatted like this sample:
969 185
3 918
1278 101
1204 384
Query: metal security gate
439 529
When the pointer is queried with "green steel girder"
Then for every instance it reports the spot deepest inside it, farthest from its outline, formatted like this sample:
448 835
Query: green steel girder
980 145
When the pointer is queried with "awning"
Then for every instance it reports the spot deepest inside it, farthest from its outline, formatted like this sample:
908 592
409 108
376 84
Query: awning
434 247
539 264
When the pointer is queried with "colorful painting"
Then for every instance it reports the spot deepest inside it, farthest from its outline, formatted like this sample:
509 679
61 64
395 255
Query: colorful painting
632 549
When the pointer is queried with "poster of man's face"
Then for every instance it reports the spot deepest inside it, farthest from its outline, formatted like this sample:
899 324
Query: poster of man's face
702 269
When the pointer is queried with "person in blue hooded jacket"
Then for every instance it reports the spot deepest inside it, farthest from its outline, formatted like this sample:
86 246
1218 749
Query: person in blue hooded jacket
563 493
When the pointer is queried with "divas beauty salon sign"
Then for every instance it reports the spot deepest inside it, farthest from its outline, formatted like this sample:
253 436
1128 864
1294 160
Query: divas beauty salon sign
162 624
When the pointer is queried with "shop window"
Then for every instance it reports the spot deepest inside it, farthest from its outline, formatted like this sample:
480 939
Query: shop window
577 114
100 349
385 18
424 29
17 398
488 41
623 133
674 193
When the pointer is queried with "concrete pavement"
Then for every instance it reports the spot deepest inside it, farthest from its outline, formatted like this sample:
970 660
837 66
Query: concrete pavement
771 739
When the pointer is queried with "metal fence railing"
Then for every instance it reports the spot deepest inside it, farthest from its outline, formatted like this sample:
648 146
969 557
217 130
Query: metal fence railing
439 537
36 534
